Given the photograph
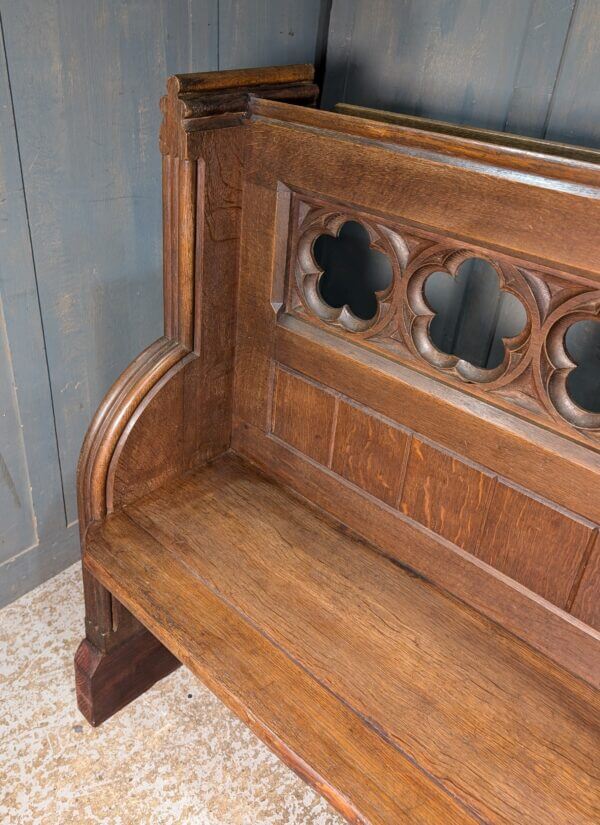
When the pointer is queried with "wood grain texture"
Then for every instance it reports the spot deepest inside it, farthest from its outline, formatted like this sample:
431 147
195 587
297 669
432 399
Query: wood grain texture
303 415
546 464
356 608
586 603
559 636
534 543
369 452
328 745
446 495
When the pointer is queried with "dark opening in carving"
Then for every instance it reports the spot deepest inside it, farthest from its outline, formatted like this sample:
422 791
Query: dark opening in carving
473 314
352 271
582 343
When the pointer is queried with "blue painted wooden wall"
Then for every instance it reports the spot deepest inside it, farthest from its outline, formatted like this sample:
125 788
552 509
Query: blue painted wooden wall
80 200
80 223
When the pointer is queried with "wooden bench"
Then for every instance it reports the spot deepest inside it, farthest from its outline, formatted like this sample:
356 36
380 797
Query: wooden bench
382 556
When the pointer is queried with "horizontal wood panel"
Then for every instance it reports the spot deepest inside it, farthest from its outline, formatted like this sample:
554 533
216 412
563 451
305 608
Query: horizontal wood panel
519 215
531 541
527 455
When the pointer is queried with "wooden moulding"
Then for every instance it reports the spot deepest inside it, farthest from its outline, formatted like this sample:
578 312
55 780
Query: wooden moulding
169 410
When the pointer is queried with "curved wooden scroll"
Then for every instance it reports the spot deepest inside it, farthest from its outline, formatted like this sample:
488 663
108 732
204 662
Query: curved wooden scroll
170 409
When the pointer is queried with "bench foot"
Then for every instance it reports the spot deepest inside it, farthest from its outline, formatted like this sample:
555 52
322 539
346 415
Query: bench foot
106 682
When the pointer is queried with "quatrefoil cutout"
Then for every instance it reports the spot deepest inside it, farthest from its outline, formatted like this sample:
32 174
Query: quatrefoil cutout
568 371
582 345
348 276
466 320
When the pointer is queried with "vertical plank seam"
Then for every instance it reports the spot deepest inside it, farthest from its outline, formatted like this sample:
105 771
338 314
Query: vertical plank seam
334 424
486 515
518 64
348 54
585 557
219 35
404 470
321 44
559 70
35 275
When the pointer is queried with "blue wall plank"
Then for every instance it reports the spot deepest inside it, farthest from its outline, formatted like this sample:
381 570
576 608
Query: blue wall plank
267 32
86 81
34 541
574 114
489 64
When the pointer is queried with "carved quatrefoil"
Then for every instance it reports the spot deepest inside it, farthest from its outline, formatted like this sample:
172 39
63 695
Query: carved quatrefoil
491 346
347 268
569 364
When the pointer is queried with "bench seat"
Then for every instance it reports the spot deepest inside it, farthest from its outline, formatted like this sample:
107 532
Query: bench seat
395 700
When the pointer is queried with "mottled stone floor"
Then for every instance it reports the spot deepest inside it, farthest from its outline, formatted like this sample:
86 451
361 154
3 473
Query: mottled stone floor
177 755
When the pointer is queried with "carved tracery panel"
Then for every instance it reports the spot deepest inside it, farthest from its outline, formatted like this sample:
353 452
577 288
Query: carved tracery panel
372 280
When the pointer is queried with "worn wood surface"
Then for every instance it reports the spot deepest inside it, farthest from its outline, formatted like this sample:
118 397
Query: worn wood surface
229 537
105 683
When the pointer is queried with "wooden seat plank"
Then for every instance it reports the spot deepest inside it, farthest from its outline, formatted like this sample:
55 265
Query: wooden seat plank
328 745
483 715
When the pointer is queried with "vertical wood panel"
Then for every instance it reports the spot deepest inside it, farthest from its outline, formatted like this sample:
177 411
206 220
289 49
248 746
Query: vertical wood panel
267 33
303 416
369 452
445 494
17 520
534 543
586 605
574 114
34 541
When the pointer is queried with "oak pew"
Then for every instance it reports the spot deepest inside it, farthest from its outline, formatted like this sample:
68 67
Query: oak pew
364 517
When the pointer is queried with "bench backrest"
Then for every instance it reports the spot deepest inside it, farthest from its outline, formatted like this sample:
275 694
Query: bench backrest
480 472
483 478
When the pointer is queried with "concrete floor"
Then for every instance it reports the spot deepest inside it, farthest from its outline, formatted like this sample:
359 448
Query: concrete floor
176 755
